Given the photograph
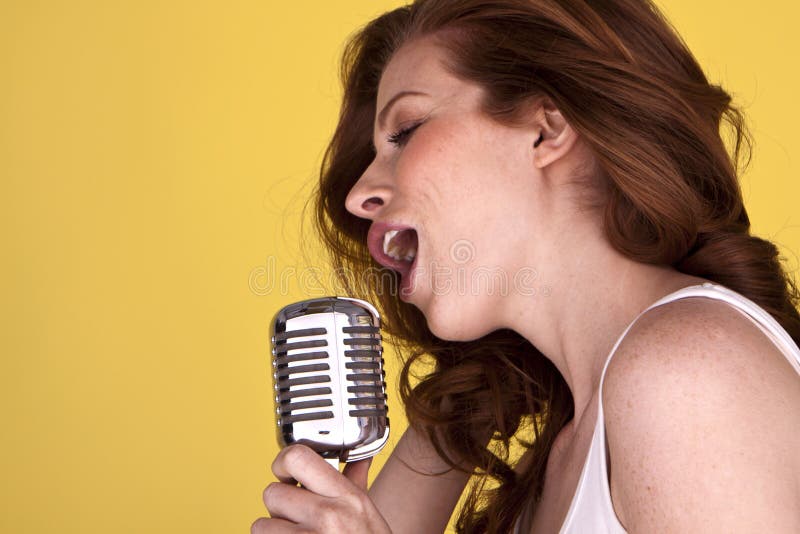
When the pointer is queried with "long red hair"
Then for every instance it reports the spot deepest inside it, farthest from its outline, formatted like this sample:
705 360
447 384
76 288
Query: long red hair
626 82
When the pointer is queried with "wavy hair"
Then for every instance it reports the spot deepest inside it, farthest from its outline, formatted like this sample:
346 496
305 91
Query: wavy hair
627 83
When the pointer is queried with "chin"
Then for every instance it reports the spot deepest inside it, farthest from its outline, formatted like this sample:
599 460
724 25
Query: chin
452 324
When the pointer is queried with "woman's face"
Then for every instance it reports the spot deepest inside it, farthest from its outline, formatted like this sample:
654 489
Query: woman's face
467 185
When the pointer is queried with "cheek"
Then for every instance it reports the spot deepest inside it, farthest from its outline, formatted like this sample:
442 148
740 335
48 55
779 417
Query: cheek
449 160
456 185
426 165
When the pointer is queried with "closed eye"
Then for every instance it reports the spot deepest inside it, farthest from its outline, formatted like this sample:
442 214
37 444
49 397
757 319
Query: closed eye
400 138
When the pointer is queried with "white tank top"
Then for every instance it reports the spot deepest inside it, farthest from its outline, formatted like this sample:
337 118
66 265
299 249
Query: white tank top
591 509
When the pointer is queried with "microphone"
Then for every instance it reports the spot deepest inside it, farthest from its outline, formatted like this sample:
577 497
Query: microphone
328 376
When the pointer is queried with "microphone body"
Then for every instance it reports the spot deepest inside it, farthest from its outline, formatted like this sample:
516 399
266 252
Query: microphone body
328 376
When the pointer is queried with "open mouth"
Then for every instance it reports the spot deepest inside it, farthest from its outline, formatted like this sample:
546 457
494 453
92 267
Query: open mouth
393 246
401 244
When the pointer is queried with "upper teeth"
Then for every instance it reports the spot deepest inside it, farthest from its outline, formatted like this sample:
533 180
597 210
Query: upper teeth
393 250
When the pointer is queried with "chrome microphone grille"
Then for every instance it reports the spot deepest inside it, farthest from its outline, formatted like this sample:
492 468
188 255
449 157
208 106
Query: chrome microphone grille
328 376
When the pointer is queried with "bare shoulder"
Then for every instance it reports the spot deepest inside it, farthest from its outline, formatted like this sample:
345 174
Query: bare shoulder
699 342
703 422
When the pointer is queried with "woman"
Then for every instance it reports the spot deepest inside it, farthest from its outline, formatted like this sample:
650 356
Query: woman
571 148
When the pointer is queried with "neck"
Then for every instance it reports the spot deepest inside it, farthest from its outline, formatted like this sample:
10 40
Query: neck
591 299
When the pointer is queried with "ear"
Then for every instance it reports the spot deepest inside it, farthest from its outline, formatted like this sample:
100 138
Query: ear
557 136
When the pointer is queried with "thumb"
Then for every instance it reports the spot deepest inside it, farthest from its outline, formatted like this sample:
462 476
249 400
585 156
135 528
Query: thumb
356 472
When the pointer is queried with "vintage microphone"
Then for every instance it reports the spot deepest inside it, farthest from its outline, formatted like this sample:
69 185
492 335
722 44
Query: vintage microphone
328 376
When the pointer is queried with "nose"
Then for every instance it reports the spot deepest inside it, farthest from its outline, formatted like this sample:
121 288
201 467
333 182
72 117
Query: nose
367 198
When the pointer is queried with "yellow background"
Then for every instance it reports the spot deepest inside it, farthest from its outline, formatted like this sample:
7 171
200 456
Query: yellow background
154 159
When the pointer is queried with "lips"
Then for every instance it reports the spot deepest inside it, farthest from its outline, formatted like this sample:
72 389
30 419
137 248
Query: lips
375 244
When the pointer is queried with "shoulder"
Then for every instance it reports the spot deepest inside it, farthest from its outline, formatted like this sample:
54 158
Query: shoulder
702 414
693 342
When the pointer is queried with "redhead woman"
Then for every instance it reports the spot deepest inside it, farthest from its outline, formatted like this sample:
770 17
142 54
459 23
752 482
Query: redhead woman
630 363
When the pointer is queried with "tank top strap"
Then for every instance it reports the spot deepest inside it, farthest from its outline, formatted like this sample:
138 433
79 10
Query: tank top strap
675 295
748 308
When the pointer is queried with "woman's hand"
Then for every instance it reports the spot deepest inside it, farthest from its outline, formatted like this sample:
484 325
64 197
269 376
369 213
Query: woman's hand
327 502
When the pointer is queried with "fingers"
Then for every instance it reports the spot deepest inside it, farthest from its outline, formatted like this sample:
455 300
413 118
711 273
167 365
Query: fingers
300 463
357 472
306 511
289 502
328 501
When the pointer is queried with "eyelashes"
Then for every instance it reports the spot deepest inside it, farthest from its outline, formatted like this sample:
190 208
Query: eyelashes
400 137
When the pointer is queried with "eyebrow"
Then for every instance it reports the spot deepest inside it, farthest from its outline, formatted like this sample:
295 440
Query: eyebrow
385 111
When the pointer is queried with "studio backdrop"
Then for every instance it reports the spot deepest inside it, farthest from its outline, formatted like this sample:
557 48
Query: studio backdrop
156 159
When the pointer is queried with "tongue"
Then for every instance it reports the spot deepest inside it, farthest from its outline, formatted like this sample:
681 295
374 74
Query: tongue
406 240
